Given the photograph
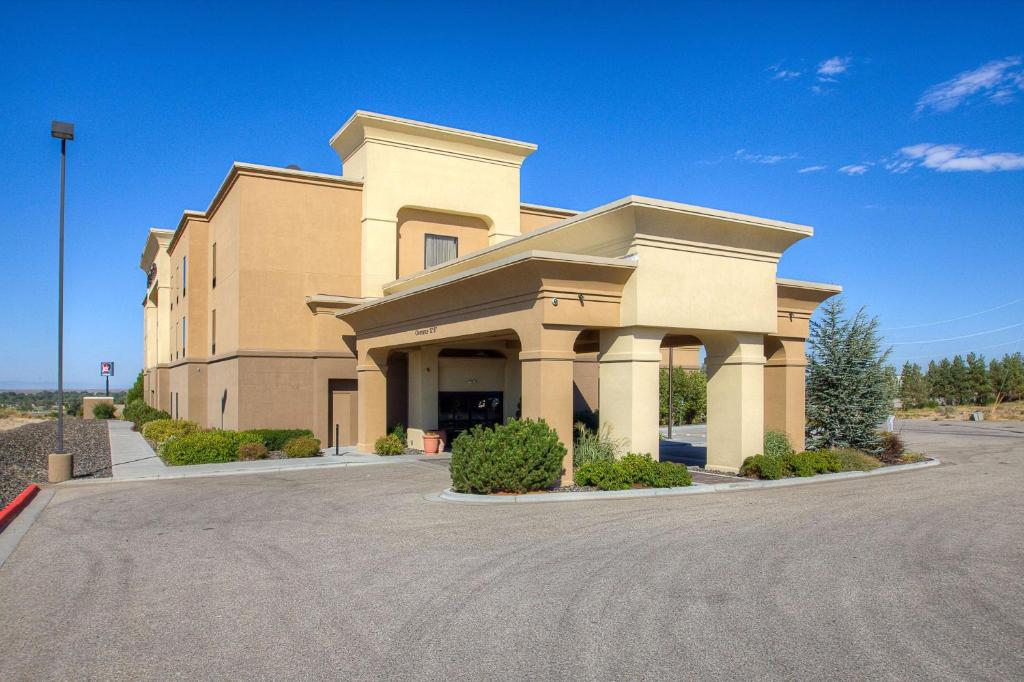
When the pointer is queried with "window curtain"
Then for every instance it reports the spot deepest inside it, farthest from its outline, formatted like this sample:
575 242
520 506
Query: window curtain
438 249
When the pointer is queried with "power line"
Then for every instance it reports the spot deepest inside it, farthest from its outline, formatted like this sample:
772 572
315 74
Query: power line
954 319
992 345
955 338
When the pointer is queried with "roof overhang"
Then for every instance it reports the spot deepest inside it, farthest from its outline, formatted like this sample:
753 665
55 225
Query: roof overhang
155 240
329 303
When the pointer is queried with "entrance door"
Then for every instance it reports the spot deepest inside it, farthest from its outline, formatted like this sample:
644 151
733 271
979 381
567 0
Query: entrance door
459 411
344 416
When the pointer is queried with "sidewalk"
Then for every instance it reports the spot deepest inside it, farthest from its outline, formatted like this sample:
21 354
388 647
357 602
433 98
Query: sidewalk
133 460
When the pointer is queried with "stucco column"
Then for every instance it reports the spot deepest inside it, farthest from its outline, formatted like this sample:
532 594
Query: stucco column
546 366
422 394
784 387
735 364
371 375
379 248
628 376
513 385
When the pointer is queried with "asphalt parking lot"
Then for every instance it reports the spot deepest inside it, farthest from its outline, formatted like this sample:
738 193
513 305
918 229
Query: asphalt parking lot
356 574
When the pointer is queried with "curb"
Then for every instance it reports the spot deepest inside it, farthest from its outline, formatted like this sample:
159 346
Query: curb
20 525
11 511
450 495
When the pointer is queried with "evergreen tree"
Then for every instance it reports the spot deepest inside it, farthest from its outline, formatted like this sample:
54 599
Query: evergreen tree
848 392
935 382
914 389
1006 377
981 389
959 381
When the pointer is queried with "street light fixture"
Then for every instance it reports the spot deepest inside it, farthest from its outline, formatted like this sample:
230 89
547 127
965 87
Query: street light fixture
60 464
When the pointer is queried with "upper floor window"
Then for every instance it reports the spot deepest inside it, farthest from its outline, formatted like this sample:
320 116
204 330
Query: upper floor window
183 336
439 249
184 275
213 265
213 332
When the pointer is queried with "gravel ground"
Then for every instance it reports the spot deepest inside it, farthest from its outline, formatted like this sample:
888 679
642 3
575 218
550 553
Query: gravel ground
24 453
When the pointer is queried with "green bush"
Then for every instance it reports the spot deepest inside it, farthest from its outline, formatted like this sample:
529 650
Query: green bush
633 469
303 446
162 430
389 445
689 396
811 463
515 457
776 444
205 447
603 474
399 432
103 411
892 446
251 451
140 414
855 460
275 439
759 466
591 445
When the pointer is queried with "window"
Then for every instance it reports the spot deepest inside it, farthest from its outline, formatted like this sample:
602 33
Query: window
439 249
184 275
213 332
213 265
183 336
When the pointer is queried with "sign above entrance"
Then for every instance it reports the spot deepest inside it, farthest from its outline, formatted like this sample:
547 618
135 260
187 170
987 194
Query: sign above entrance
425 331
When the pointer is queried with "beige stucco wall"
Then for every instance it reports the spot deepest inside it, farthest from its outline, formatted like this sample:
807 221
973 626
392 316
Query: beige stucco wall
533 218
298 237
471 374
414 224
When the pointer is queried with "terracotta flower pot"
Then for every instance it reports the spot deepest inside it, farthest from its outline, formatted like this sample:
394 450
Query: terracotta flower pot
431 443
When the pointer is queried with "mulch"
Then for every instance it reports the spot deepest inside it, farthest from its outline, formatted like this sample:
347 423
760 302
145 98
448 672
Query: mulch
25 450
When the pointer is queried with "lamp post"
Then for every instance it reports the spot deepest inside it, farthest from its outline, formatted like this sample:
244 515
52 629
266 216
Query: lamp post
60 464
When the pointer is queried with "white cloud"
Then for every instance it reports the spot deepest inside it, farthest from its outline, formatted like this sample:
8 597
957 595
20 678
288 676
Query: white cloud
997 81
770 159
780 73
812 169
947 158
855 168
832 67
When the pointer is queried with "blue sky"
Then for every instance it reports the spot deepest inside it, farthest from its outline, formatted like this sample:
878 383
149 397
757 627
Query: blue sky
908 125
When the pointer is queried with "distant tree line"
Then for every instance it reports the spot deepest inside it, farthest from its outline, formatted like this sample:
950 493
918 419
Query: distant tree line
46 401
960 381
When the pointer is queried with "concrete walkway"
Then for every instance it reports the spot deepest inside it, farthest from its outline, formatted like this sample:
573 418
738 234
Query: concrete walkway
134 460
130 454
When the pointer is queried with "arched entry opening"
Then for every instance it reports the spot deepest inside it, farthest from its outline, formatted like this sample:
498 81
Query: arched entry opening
683 400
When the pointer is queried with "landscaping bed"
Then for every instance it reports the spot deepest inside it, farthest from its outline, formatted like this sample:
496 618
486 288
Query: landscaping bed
780 461
25 450
181 442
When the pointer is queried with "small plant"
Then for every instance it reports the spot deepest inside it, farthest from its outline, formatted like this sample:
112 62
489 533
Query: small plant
103 411
140 414
515 457
399 432
252 451
603 474
760 466
777 444
812 462
275 439
892 447
160 431
591 445
855 460
911 457
303 446
389 445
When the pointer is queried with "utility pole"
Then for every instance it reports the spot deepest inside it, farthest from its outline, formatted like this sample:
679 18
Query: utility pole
60 464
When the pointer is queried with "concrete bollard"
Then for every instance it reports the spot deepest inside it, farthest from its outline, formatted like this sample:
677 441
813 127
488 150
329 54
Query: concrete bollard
59 467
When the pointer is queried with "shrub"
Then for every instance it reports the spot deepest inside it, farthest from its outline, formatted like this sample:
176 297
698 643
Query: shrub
633 469
515 457
591 445
389 445
135 392
205 447
399 432
812 462
892 446
275 439
855 460
251 451
139 413
303 446
162 430
689 396
759 466
777 444
603 474
103 411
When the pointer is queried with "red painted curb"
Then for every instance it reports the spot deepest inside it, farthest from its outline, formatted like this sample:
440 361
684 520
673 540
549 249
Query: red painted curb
10 512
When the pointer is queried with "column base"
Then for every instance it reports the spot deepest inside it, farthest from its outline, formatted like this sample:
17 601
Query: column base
59 467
